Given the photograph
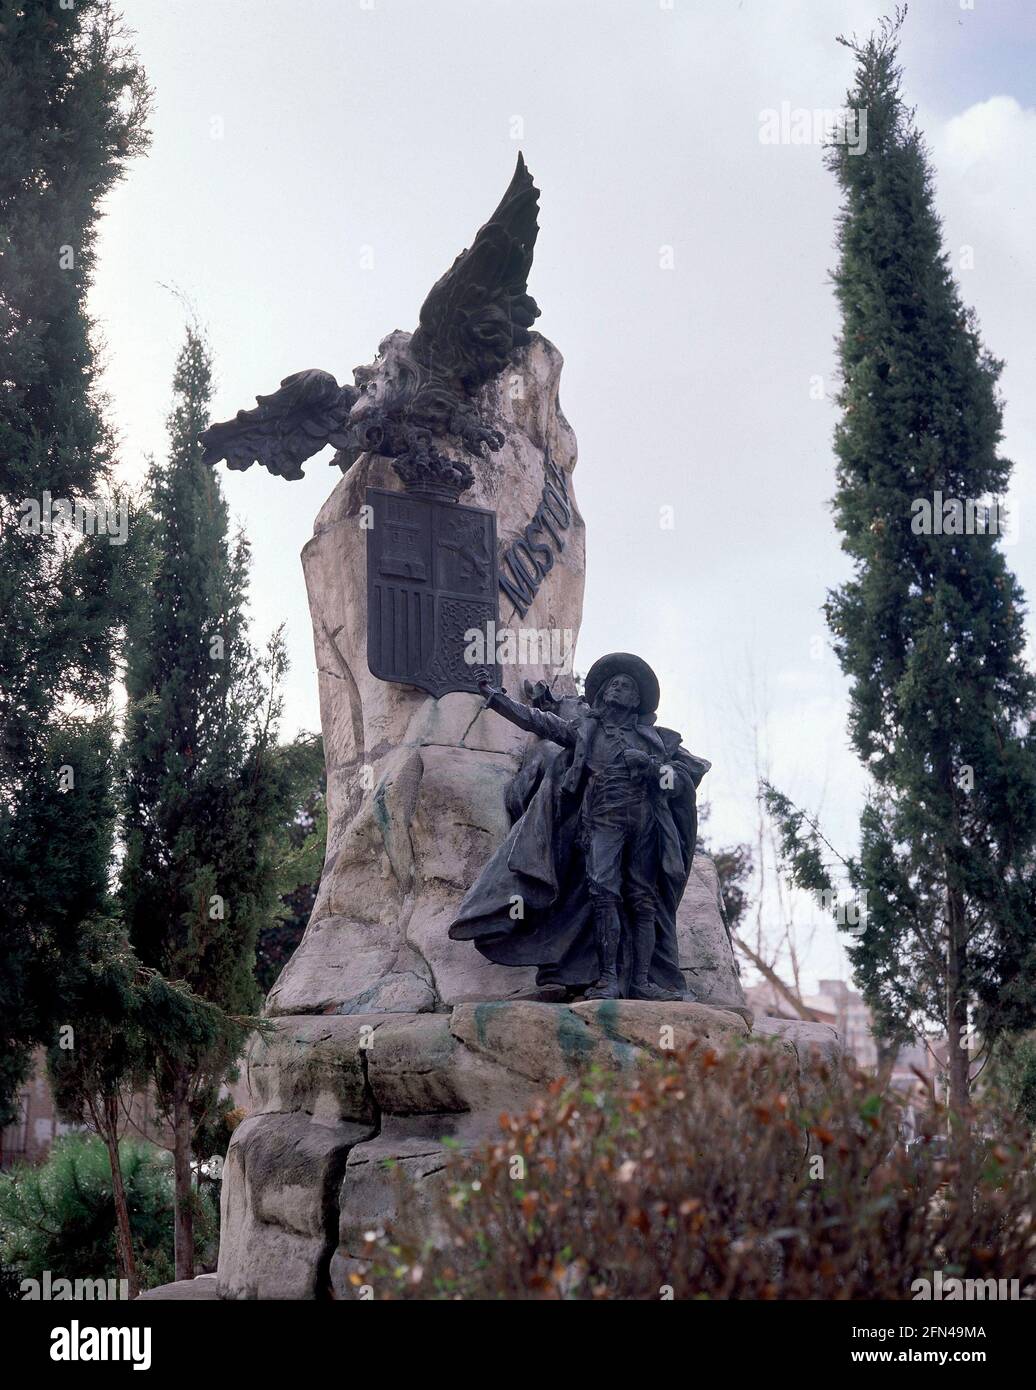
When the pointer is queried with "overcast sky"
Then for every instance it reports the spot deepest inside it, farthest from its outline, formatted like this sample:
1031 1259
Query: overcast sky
682 268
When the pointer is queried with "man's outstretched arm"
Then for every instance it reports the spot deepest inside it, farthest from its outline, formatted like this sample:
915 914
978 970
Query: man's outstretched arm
533 721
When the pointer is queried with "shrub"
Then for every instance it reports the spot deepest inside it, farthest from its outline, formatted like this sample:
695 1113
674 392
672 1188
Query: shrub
60 1216
712 1176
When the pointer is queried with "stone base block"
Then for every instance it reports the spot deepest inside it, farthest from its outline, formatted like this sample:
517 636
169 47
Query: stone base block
280 1205
353 1112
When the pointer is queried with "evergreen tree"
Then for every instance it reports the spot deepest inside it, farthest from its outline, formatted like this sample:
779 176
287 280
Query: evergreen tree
121 1008
206 784
930 628
733 868
57 1218
301 846
73 106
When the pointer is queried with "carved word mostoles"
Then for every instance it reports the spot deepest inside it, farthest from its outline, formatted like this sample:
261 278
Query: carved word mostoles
528 559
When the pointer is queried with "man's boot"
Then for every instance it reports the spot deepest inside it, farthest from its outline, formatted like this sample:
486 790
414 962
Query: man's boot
641 987
606 933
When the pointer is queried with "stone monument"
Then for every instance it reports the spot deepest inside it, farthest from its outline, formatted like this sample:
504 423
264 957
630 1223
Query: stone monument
388 1035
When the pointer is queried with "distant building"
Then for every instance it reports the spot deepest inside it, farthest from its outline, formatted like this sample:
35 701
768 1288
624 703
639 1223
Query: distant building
852 1018
37 1125
844 1009
29 1139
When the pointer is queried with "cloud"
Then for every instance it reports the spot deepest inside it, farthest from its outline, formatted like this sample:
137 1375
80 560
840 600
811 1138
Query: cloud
991 144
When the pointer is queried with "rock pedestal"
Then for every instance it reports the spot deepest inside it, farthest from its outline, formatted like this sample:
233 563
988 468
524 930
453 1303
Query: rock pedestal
355 1116
388 1036
415 786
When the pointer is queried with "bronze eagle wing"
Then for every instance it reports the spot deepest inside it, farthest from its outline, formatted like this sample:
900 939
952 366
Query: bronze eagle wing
286 427
481 310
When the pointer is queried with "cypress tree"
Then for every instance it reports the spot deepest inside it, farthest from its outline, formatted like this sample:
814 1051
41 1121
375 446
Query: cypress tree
301 847
930 627
206 785
73 108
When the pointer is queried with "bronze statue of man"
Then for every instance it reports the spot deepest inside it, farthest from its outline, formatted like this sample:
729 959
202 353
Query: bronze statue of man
587 883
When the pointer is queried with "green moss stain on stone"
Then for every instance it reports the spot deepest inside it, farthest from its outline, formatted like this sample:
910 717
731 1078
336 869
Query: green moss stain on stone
607 1019
574 1038
381 814
483 1017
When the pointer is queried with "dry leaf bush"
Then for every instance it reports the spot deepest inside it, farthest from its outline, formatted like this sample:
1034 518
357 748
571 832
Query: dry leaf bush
712 1176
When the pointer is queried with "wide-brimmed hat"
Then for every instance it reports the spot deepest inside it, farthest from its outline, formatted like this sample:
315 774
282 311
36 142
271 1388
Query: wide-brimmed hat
623 664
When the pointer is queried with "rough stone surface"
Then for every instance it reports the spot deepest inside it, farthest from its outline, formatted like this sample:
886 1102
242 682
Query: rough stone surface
396 1178
203 1286
813 1042
706 952
817 1048
544 1041
641 1026
279 1205
315 1066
